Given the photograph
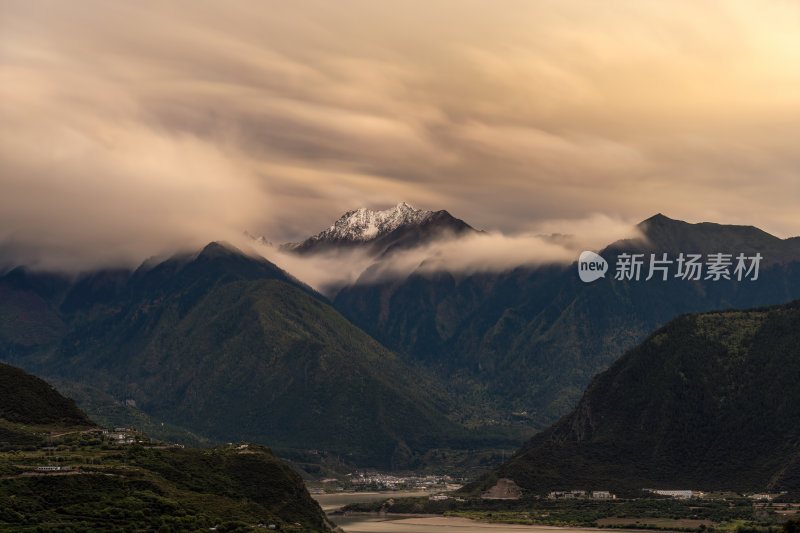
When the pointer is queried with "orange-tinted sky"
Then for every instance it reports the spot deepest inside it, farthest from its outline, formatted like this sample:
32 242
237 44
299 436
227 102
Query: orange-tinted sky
128 128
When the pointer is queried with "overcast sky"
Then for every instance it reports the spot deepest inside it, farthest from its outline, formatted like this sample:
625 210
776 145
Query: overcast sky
128 128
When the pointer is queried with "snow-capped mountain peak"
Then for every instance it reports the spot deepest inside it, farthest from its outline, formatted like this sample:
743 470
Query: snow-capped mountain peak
365 224
380 232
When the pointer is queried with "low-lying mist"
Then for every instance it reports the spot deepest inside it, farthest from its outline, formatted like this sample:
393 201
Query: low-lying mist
551 242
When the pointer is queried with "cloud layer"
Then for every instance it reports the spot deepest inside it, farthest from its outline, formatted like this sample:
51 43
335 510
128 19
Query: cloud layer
327 272
134 128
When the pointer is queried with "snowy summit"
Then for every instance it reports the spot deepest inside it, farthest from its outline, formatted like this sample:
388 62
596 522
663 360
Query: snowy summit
365 224
402 226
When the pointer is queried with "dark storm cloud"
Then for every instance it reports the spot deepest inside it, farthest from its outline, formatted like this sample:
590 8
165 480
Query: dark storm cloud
131 128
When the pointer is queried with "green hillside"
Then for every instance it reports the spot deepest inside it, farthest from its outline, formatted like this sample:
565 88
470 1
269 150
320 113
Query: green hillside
229 347
30 409
709 401
29 400
263 361
105 487
99 483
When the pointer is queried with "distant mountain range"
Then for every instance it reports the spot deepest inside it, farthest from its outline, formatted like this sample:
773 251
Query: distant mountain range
707 402
228 346
528 340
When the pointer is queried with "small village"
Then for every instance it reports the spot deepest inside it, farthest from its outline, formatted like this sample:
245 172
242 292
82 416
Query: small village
65 453
376 481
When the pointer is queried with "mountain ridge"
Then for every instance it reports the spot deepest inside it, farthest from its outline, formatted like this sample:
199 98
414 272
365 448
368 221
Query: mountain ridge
671 235
709 401
542 322
229 346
